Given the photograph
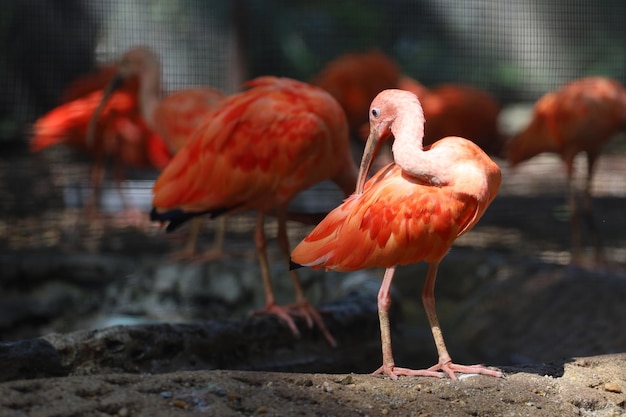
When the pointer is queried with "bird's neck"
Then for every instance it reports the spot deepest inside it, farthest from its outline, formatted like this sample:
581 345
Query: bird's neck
149 95
409 154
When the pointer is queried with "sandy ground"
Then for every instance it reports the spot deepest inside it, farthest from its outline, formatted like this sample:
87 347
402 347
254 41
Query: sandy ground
580 387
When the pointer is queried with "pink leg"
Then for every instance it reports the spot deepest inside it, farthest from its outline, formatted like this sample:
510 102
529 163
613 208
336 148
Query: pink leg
445 362
384 302
96 179
190 251
302 307
271 307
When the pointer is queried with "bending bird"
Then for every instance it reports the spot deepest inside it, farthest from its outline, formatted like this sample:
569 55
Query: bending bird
411 210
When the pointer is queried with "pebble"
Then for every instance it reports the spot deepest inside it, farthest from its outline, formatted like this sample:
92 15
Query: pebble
612 387
182 404
348 380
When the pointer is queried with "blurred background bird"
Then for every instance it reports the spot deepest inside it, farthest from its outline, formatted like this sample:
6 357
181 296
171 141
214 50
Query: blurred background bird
120 133
174 117
255 152
453 109
581 116
412 210
354 79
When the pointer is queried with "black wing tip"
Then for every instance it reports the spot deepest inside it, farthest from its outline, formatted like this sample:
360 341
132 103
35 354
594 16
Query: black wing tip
174 218
177 217
293 265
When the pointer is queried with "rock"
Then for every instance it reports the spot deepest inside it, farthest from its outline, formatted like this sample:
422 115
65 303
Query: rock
254 343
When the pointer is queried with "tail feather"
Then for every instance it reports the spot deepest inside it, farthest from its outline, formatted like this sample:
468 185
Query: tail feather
177 217
65 123
49 130
293 265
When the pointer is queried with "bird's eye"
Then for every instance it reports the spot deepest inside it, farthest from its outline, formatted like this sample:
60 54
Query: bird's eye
375 112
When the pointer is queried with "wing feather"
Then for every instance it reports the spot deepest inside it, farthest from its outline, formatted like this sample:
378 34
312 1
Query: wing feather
394 222
255 151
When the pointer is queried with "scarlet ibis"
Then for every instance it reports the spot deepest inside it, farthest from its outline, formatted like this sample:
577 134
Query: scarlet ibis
121 135
174 117
580 116
255 152
411 210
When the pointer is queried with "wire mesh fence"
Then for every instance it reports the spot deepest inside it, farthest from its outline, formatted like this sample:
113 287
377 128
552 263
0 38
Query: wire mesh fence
515 50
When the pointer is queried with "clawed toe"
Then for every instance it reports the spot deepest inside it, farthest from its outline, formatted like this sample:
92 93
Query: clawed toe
312 318
395 372
302 310
437 371
452 368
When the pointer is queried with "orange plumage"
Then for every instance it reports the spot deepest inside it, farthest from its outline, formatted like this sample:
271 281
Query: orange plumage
122 134
174 117
396 221
255 152
411 210
179 114
581 116
258 149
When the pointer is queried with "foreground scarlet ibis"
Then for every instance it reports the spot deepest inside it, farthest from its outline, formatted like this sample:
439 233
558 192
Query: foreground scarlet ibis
354 79
411 210
458 110
255 152
121 134
174 117
581 116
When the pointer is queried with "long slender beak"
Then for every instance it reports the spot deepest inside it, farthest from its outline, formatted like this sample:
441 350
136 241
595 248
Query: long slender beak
115 83
371 148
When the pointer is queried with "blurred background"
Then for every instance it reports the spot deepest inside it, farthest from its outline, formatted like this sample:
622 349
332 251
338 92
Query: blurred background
507 291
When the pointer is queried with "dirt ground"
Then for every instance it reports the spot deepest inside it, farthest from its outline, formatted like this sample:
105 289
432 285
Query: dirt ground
555 331
580 387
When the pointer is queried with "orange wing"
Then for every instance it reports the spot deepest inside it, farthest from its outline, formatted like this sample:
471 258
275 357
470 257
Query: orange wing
120 133
394 222
399 219
179 114
257 150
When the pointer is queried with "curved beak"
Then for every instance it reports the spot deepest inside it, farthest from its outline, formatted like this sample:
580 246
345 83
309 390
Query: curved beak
115 83
371 149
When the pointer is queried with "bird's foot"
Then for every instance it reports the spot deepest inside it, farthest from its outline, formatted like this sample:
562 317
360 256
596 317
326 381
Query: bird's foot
452 368
283 313
302 310
394 372
312 318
